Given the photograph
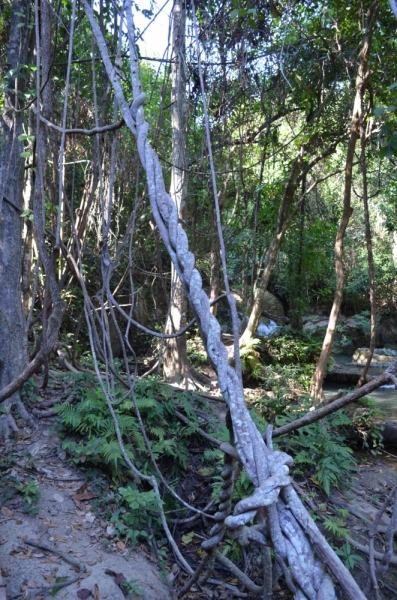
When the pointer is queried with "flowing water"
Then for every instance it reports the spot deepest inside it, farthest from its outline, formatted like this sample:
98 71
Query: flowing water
266 328
385 397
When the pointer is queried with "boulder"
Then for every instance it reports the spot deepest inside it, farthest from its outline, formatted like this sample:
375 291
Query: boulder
386 334
381 356
272 306
346 374
314 323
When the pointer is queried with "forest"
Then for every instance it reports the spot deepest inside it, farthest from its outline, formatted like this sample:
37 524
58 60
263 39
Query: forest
198 282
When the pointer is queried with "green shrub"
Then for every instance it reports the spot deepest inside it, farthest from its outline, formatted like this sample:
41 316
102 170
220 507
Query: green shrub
98 444
320 449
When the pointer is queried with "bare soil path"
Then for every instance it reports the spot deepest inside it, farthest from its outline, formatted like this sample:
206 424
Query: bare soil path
65 522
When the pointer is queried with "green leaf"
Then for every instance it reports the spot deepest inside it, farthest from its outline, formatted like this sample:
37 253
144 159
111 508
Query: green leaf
391 87
25 154
187 538
58 580
26 136
379 111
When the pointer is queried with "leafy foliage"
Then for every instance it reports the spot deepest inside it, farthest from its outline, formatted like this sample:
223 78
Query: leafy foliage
98 443
91 441
291 347
137 516
320 448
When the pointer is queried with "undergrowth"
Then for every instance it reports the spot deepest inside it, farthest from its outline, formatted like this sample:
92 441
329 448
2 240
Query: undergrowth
16 493
320 450
285 359
91 442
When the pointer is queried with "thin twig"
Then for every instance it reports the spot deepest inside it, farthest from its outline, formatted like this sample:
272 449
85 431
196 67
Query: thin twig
69 559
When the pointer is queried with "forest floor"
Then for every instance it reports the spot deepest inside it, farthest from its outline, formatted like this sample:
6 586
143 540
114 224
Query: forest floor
57 537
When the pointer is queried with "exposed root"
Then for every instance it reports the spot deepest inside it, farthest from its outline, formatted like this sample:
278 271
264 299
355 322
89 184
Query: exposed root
23 413
7 424
64 363
7 421
42 414
44 410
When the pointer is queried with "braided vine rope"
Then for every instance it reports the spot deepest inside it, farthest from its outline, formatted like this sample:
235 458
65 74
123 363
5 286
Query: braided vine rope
288 522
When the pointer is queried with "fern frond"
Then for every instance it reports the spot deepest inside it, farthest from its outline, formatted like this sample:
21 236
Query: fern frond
64 408
127 423
157 431
111 453
137 439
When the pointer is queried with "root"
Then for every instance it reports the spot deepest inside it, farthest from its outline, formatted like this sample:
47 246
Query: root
7 425
64 363
23 413
7 421
45 408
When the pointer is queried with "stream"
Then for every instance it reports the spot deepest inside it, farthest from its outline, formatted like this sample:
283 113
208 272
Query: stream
385 397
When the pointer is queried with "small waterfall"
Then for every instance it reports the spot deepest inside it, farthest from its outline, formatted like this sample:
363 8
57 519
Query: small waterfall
266 329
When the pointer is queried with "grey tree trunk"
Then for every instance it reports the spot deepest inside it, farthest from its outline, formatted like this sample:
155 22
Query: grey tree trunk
19 370
13 341
370 255
175 353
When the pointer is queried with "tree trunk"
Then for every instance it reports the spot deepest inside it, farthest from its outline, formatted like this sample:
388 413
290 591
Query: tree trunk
371 266
361 83
215 264
283 220
13 342
52 319
175 353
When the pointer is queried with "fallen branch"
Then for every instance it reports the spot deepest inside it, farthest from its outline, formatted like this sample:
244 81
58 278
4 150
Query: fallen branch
366 550
320 413
72 561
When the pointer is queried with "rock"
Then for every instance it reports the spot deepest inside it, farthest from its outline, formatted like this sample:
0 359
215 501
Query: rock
386 331
272 306
312 324
346 374
381 355
389 432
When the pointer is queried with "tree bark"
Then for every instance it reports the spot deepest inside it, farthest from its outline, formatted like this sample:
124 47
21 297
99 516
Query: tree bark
371 265
215 264
361 84
53 303
175 352
283 220
13 342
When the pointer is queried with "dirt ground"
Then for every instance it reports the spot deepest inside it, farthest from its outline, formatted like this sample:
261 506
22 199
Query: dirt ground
65 529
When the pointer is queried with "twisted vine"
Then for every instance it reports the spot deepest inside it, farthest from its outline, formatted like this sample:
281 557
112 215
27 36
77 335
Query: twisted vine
290 528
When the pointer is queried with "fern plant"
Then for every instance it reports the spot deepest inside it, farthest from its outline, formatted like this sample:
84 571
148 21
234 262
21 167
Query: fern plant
320 448
90 420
